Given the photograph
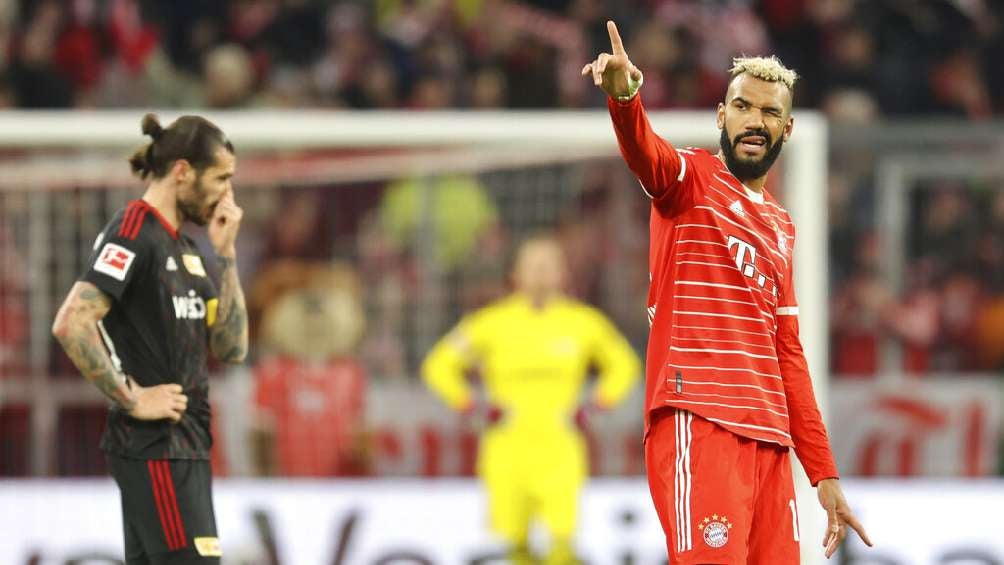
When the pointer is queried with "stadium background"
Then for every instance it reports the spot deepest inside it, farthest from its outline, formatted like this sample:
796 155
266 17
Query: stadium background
357 255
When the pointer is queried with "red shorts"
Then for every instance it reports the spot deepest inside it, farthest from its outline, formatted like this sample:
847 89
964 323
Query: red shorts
722 499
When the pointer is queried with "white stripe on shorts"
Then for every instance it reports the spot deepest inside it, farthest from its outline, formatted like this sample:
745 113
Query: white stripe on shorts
684 537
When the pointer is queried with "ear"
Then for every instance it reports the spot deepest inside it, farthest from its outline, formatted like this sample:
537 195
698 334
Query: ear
721 115
787 129
182 171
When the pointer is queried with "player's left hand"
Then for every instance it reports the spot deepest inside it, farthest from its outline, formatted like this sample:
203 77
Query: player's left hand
225 223
584 414
838 516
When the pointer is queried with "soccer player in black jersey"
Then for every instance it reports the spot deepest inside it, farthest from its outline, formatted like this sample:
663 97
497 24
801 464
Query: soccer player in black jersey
140 324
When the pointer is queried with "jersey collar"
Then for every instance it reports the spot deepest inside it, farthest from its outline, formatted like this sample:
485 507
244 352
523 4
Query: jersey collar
753 195
163 221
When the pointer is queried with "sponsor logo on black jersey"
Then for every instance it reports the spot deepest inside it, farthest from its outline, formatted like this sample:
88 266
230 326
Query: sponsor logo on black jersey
191 307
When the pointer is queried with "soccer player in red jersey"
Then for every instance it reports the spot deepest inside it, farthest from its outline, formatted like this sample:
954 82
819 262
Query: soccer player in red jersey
728 389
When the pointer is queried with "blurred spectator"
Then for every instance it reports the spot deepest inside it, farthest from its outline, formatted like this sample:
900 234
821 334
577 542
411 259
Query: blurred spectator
850 106
946 226
301 229
388 278
990 249
38 81
488 88
858 324
229 77
459 208
13 310
188 29
990 335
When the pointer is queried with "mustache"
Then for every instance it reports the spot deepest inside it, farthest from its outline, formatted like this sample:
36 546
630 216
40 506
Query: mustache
753 133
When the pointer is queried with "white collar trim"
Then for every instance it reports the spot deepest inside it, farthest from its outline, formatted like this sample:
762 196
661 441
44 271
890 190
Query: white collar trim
753 195
750 193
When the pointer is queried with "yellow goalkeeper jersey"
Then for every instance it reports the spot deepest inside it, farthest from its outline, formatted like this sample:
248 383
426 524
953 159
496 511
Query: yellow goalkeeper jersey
533 362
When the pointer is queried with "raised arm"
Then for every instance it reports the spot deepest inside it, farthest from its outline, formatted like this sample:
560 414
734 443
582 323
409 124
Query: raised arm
613 72
228 336
653 160
77 328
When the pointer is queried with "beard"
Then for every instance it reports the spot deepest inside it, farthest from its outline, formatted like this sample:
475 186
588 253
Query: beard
194 209
744 169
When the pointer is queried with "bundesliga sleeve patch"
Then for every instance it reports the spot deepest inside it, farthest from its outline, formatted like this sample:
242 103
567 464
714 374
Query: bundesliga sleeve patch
114 261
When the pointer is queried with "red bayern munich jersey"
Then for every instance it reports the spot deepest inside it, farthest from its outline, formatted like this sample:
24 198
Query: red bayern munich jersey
724 329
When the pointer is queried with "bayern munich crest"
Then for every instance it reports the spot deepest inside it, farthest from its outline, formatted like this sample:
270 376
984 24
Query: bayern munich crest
715 530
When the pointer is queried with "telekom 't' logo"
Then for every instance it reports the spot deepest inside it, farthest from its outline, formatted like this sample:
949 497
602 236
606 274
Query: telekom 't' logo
745 256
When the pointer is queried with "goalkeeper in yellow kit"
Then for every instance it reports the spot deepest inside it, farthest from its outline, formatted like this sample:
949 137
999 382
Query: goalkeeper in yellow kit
533 350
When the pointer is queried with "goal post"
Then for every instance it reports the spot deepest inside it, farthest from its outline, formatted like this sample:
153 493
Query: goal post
43 148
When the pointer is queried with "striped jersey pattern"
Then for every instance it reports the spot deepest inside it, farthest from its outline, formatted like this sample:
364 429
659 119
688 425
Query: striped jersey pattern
720 279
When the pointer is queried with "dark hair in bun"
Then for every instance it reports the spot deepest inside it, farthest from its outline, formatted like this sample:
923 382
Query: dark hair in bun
151 126
192 138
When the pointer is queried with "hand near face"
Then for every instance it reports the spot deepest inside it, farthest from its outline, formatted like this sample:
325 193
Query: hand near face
224 225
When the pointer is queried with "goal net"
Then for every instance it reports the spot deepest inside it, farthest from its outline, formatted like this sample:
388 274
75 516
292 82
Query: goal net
410 217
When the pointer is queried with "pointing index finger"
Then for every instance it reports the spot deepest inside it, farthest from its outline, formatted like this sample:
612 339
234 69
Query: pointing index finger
616 45
854 523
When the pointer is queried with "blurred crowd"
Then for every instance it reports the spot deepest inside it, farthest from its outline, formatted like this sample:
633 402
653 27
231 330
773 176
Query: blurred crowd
948 316
412 255
859 59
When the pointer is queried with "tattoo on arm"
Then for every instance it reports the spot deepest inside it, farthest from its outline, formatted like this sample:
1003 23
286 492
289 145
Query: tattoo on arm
77 331
228 338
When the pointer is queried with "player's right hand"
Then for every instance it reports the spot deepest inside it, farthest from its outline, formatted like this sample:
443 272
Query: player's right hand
161 402
839 516
610 71
224 224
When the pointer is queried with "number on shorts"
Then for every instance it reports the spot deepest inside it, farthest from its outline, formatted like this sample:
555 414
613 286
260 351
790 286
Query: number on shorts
794 518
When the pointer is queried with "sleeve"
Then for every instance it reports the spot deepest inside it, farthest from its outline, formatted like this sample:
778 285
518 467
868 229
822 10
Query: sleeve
616 360
443 369
808 433
116 259
660 168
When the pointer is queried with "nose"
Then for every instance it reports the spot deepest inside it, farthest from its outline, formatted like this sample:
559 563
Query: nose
754 120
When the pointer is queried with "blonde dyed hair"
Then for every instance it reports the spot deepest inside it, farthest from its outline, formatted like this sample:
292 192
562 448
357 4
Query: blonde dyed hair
770 69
